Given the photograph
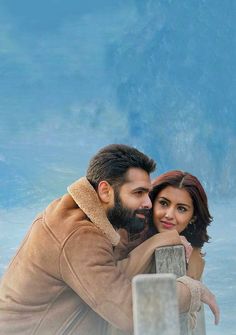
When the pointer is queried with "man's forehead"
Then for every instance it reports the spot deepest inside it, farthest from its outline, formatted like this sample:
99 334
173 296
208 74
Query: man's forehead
137 177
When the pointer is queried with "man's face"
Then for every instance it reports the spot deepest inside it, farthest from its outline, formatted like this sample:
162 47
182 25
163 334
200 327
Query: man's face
131 202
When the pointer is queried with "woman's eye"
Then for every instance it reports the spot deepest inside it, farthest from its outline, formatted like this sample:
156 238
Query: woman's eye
182 209
163 203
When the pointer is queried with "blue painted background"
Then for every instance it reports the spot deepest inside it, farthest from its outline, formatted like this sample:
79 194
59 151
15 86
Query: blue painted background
159 75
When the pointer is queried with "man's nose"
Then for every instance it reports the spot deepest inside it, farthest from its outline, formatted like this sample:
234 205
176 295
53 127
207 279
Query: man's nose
147 202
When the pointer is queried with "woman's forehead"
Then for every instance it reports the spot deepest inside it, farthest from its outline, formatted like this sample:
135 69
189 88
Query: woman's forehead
176 194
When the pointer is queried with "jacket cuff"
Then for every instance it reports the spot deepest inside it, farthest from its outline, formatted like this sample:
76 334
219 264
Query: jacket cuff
195 290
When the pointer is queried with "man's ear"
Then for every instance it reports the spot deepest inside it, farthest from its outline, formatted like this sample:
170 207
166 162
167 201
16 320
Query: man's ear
105 192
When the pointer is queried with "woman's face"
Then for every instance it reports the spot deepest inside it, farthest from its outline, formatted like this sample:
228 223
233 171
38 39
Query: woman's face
172 209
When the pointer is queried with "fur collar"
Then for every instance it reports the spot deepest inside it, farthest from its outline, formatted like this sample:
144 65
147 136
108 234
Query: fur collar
87 199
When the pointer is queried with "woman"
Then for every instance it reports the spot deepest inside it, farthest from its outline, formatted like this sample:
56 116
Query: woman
180 203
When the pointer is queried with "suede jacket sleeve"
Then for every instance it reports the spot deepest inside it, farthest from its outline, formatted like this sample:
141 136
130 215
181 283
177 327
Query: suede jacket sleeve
139 259
88 266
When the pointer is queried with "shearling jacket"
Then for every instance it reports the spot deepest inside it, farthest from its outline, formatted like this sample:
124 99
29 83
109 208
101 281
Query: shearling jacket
65 277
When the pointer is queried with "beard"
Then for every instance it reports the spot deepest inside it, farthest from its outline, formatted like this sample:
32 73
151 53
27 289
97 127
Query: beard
123 217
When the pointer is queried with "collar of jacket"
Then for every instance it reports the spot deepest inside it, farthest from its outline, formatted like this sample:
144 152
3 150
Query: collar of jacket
87 199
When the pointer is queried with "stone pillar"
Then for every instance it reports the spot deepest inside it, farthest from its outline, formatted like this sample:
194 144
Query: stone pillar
155 305
172 260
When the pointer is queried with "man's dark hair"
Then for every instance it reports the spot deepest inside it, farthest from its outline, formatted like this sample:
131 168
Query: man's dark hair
113 161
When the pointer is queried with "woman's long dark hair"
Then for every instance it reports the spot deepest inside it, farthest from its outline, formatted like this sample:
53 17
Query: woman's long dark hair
195 233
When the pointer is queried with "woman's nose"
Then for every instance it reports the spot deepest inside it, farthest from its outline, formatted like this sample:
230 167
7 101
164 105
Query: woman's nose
169 213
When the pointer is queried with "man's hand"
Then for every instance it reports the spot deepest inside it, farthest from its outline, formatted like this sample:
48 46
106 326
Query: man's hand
199 293
207 297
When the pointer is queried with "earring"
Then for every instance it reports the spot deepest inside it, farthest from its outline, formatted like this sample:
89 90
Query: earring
191 228
192 220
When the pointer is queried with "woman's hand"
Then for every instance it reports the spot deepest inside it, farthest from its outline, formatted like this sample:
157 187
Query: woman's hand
187 246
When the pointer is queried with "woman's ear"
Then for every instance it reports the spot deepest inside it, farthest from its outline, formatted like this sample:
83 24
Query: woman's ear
105 192
194 218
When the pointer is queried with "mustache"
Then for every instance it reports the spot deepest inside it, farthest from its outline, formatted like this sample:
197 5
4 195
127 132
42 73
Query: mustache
144 211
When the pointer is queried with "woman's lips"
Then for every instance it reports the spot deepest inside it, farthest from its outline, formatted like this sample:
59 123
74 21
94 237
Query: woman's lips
167 225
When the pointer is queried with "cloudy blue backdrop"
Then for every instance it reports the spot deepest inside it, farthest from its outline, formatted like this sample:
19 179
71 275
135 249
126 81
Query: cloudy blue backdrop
160 75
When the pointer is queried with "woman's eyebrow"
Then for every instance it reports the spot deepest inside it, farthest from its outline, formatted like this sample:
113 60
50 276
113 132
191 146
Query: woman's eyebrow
164 198
179 203
182 204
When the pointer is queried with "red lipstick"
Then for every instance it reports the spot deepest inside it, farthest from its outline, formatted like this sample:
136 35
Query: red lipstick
167 224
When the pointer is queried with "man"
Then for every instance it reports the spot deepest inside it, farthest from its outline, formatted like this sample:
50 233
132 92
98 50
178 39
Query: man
66 278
